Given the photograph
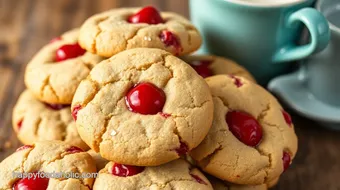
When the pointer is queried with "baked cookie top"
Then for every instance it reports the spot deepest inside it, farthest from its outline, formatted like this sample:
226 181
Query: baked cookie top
252 137
143 107
56 158
209 65
34 121
56 70
177 174
220 185
116 30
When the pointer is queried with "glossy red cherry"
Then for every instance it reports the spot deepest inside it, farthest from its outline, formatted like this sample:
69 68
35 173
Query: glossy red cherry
55 39
169 39
19 124
149 15
237 81
287 117
183 149
125 170
31 184
145 98
24 147
56 106
244 127
74 149
75 112
286 160
202 67
198 179
69 51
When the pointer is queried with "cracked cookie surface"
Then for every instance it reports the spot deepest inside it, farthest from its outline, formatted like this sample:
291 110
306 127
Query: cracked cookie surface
55 81
224 152
209 65
48 157
177 175
34 121
110 32
106 124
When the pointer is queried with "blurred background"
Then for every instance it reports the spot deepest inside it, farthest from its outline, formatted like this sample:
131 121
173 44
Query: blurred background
27 25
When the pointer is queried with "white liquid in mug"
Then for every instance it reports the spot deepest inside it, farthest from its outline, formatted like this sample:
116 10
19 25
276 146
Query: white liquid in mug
267 2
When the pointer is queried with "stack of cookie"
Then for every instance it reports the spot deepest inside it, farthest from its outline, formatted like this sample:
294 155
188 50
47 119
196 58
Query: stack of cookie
150 112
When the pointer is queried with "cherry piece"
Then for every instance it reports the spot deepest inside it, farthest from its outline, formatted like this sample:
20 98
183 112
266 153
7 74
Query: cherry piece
74 149
24 147
198 179
145 98
19 124
37 183
202 67
169 39
244 127
287 117
55 39
69 51
166 115
75 112
286 160
183 149
149 15
125 170
237 81
56 106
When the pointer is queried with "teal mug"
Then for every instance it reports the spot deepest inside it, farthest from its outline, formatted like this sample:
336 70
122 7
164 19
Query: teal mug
258 35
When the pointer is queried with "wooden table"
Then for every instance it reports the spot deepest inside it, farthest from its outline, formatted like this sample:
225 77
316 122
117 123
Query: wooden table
26 25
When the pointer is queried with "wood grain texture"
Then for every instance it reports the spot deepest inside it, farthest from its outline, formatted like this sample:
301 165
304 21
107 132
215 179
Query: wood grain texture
26 25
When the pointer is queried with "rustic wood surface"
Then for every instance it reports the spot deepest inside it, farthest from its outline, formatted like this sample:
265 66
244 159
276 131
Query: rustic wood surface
26 25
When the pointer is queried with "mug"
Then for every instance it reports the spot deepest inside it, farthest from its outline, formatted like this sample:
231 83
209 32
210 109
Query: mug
322 71
261 37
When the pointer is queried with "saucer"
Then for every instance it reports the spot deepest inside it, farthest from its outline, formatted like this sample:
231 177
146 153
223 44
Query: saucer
293 91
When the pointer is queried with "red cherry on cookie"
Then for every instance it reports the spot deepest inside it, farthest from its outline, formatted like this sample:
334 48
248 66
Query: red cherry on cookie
24 147
19 124
286 160
169 39
237 81
244 127
31 184
75 112
183 149
287 117
149 15
198 179
125 170
145 98
202 67
56 106
74 149
69 51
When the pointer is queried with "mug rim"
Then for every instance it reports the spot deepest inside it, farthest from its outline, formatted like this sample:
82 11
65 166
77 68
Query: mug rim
331 25
258 5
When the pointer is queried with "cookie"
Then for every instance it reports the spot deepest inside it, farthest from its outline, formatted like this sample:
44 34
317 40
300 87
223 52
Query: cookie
59 165
34 121
252 139
209 65
56 70
143 107
100 161
117 30
220 185
177 174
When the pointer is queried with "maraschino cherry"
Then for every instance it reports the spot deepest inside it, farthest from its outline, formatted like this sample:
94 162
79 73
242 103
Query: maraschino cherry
145 98
287 118
202 67
69 51
149 15
74 149
56 106
122 170
244 127
37 183
75 112
286 160
169 39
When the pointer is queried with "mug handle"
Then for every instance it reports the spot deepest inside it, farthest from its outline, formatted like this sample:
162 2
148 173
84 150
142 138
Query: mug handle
319 32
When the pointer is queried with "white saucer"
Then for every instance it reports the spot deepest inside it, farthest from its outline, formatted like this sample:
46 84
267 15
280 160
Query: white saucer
293 91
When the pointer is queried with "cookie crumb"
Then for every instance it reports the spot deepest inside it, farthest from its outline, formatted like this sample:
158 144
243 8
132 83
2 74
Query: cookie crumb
113 133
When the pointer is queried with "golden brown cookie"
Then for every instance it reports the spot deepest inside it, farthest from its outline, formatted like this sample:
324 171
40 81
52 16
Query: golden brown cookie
209 65
57 69
35 121
252 139
55 165
100 161
113 31
143 107
177 174
220 185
